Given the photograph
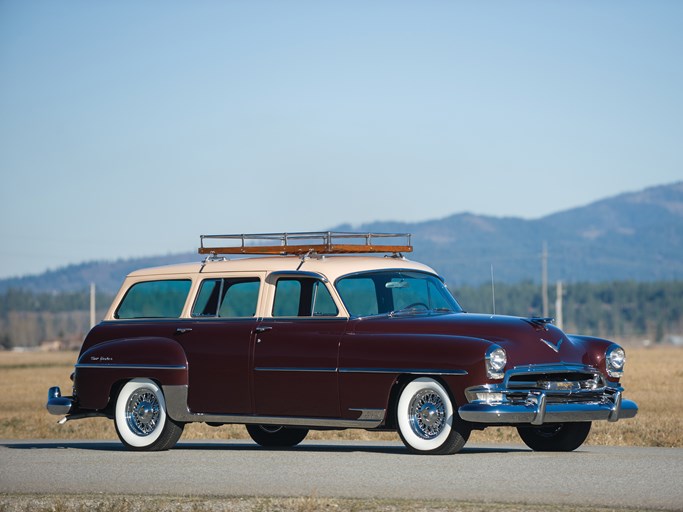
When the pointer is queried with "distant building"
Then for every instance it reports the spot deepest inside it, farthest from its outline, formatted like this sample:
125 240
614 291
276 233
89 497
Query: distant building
51 346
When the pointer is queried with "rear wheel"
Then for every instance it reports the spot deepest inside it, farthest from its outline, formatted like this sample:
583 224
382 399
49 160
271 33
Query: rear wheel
426 420
276 436
555 437
141 420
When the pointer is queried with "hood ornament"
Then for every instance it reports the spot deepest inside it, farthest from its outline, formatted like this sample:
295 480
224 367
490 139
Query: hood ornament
556 348
539 323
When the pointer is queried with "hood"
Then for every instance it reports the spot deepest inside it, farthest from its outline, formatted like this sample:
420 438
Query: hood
526 341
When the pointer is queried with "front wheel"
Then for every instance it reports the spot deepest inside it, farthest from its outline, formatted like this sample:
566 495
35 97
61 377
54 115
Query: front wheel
555 437
426 420
141 420
276 436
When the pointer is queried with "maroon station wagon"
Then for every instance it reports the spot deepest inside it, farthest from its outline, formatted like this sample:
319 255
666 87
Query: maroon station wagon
331 331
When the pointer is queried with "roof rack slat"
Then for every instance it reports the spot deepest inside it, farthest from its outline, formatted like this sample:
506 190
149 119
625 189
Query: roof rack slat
319 242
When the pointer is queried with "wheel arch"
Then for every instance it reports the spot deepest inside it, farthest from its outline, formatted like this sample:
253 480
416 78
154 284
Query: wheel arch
104 369
400 383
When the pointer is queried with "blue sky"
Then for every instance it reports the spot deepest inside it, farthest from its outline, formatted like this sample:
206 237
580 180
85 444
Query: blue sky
129 128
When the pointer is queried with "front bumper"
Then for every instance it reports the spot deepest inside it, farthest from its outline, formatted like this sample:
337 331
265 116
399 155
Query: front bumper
538 410
57 404
539 394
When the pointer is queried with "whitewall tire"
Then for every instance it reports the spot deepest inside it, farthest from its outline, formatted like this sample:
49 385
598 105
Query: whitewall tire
426 419
141 420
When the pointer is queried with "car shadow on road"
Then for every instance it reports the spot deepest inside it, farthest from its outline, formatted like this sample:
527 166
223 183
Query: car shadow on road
337 447
247 446
107 446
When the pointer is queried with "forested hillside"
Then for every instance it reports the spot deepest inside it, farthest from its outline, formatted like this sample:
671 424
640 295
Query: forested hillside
620 260
636 236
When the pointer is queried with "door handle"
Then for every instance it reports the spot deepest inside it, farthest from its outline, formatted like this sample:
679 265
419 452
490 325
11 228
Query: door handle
183 330
263 328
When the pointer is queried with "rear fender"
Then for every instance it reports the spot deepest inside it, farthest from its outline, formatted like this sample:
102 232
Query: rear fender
102 368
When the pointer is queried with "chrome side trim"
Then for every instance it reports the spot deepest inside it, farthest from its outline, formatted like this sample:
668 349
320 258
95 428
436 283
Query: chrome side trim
412 371
176 404
285 369
133 366
370 414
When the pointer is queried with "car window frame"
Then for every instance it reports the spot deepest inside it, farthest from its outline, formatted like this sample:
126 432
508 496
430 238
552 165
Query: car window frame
222 279
121 302
274 277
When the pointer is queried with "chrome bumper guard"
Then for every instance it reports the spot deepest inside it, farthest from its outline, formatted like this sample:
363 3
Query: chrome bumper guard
537 410
57 404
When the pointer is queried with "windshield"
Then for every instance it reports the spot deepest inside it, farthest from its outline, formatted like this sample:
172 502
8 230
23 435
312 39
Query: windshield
394 291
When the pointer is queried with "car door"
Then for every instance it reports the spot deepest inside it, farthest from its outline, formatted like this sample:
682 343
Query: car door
296 350
218 341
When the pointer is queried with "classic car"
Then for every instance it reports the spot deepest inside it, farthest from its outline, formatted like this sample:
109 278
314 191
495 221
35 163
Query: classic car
331 331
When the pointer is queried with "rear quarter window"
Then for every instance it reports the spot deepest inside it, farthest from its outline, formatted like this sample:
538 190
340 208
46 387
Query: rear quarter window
154 299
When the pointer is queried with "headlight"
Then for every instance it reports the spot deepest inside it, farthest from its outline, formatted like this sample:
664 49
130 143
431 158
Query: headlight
615 358
496 359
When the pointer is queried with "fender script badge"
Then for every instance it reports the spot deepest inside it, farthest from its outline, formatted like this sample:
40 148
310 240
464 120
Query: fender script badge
556 348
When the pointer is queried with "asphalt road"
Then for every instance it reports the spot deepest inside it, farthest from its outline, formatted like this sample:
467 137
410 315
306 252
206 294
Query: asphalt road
597 476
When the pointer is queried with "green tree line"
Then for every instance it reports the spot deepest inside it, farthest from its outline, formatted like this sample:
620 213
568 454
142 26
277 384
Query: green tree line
617 309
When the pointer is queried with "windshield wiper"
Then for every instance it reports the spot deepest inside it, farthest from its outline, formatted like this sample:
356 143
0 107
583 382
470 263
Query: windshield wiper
418 309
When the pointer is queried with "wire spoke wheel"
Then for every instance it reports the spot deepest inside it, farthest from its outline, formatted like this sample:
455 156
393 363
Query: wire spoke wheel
427 420
141 420
142 412
427 414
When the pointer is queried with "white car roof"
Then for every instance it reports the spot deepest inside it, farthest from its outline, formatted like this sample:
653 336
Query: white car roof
332 267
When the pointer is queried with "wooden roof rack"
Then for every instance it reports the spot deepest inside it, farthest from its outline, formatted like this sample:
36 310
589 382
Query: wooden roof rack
321 242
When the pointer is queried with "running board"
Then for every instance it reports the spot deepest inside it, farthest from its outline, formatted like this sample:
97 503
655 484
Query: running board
177 409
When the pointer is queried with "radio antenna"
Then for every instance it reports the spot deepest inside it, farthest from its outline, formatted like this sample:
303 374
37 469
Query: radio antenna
493 291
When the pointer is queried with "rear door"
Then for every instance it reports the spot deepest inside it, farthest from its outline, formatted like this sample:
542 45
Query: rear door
218 341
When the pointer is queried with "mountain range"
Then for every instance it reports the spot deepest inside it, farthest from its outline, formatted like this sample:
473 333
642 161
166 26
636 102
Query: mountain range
633 236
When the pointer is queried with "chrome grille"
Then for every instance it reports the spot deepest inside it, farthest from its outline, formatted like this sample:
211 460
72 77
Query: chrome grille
559 383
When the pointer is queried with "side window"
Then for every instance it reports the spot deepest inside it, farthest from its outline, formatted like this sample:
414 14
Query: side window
227 298
323 304
360 295
302 297
287 298
240 298
154 299
207 298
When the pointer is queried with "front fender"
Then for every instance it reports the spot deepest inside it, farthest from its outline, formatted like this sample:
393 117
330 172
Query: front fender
102 366
371 363
594 352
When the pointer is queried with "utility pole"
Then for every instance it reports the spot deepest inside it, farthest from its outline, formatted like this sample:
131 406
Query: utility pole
92 305
544 278
559 320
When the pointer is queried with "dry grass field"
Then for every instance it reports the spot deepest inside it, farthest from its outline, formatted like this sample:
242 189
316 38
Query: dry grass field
654 379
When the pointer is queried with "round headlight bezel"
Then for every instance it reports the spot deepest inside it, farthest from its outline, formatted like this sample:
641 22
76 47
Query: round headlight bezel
615 360
496 360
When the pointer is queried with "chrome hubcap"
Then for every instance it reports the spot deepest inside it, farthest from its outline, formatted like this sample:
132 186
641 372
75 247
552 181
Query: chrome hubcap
427 414
142 412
